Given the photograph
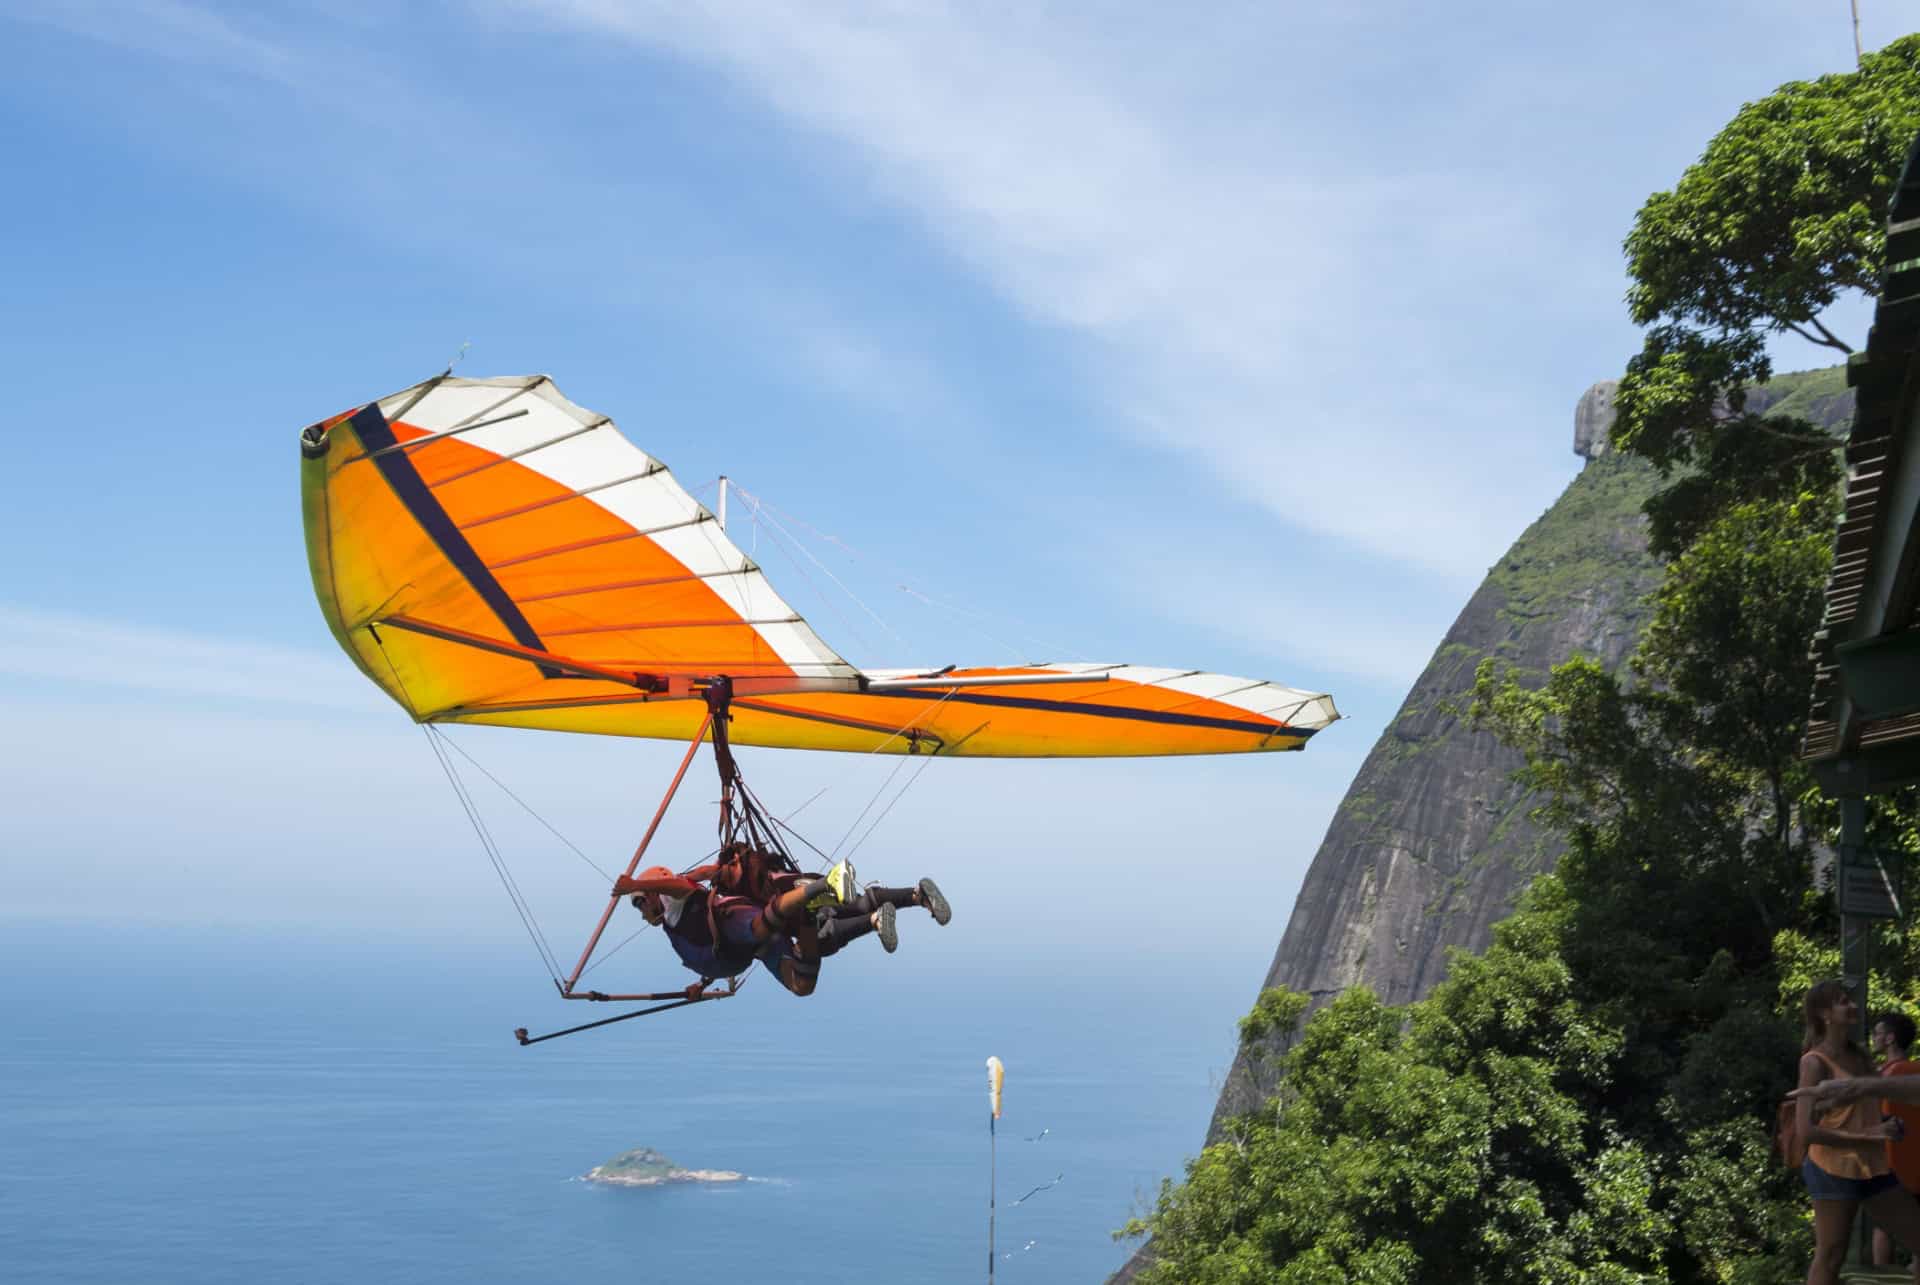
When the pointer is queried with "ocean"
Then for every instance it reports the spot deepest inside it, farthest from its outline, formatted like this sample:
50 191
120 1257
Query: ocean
214 1107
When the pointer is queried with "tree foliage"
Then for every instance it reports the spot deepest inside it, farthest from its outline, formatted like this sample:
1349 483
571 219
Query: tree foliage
1782 214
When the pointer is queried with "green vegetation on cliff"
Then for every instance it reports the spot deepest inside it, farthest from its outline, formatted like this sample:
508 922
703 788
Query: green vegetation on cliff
1589 1099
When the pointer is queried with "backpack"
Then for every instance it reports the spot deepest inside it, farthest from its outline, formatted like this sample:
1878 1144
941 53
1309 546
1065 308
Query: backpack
1788 1142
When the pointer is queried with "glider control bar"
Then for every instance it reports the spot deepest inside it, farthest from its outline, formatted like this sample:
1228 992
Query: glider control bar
681 1000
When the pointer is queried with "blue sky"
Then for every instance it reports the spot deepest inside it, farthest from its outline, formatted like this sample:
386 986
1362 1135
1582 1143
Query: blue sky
1240 337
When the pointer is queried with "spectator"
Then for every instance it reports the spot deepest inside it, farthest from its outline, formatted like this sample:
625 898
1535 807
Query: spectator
1892 1039
1846 1165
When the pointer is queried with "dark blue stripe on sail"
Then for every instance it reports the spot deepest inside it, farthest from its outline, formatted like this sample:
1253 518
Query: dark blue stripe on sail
397 467
1098 711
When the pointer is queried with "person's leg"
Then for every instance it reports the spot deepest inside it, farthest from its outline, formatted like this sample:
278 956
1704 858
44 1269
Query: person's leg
1832 1224
1897 1212
787 914
782 936
798 976
847 924
843 925
874 896
1882 1247
926 893
780 916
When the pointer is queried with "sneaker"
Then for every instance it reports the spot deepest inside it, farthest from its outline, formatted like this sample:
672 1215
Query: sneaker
841 880
838 887
884 925
935 902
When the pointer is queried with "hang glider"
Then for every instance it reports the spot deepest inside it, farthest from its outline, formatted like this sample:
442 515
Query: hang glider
488 552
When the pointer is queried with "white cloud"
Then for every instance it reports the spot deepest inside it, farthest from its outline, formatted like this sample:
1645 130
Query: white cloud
116 654
1224 272
1298 613
1144 186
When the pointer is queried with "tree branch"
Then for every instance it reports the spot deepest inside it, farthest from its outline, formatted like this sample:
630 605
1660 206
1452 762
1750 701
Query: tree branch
1826 338
1836 340
1814 441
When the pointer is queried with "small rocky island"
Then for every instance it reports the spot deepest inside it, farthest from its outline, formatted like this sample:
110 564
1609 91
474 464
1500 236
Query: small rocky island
645 1167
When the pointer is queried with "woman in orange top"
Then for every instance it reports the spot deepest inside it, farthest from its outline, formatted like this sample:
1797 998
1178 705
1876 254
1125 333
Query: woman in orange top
1846 1164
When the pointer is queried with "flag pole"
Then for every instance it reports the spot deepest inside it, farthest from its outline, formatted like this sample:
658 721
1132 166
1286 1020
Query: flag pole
995 1073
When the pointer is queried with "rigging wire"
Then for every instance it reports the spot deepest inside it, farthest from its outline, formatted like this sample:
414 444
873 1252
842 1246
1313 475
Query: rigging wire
889 781
803 807
528 809
494 857
884 786
780 542
760 512
616 950
896 798
973 617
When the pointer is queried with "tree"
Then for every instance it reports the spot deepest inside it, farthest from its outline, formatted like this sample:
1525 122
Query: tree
1783 213
1445 1141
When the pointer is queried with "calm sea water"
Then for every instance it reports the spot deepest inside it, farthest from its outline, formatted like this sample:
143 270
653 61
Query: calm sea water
192 1107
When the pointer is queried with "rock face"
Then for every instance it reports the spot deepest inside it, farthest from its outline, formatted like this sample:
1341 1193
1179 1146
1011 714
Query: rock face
1593 420
1433 842
645 1167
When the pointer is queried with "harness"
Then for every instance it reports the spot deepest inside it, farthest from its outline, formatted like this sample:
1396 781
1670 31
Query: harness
697 938
754 863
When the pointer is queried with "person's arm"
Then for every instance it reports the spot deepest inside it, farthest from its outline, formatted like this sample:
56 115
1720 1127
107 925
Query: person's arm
1818 1094
1828 1094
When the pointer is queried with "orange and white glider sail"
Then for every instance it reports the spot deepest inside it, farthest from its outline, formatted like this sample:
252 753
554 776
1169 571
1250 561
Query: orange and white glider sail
489 552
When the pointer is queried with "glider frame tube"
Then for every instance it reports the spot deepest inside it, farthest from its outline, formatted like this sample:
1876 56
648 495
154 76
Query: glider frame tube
984 680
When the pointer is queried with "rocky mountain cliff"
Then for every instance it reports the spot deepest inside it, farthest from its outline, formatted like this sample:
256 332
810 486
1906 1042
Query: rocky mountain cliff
1433 841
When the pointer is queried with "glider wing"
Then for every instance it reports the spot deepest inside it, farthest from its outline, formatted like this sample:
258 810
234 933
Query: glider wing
488 552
